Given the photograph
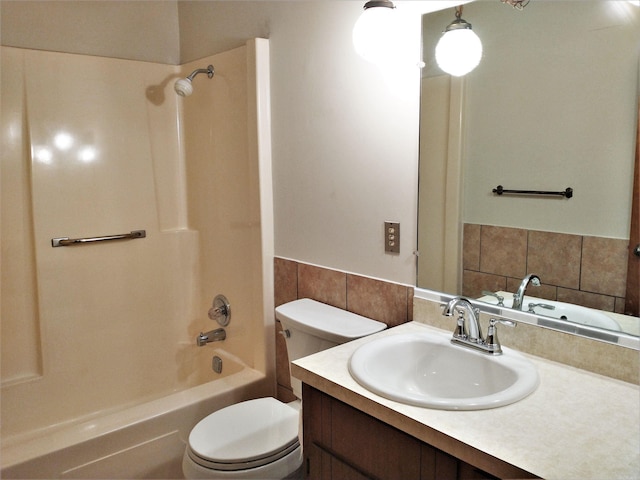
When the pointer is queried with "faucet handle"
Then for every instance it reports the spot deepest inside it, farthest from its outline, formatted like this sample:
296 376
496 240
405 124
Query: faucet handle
460 331
508 323
492 343
532 306
500 298
220 310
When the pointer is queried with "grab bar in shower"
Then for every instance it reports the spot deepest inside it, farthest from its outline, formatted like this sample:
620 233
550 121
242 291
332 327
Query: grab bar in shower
67 242
499 190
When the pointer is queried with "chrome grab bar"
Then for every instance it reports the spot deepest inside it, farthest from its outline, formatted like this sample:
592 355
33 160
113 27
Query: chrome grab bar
67 242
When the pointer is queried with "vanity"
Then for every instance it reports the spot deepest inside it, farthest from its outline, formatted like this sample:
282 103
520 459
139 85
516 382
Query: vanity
575 424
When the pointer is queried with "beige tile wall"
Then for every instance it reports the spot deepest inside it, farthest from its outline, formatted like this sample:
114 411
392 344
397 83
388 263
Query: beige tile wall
386 302
587 270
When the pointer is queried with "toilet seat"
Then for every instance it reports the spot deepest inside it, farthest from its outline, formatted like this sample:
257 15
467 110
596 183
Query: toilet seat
245 435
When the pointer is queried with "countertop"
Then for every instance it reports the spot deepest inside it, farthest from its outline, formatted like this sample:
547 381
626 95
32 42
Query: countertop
576 425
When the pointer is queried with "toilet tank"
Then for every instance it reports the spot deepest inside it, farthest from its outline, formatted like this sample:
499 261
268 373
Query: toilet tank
311 327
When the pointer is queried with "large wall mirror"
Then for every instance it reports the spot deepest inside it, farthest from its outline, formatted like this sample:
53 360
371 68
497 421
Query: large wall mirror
552 105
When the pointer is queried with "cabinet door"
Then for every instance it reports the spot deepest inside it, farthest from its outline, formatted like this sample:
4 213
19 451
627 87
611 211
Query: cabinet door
437 465
373 446
341 442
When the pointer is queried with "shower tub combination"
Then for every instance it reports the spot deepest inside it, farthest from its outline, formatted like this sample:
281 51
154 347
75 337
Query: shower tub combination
101 373
143 441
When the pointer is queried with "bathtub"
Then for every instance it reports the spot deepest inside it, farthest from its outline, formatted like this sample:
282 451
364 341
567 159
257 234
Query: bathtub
142 441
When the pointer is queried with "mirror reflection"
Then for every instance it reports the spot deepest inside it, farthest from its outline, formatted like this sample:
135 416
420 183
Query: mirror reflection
552 105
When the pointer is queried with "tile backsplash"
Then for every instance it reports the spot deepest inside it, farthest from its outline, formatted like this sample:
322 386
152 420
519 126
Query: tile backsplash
387 302
590 271
394 304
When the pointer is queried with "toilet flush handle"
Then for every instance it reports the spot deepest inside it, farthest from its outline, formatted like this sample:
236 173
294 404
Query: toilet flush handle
285 333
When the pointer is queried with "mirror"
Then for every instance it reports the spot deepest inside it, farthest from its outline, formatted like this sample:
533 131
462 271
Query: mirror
553 104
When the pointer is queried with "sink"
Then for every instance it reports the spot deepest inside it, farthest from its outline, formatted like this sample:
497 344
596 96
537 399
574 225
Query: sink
427 370
562 311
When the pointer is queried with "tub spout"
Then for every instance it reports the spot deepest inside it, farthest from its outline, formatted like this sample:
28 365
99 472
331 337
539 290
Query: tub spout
518 297
216 335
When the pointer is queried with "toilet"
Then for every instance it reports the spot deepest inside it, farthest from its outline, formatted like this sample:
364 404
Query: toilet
258 439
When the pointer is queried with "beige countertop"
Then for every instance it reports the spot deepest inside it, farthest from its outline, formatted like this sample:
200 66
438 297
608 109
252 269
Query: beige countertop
576 425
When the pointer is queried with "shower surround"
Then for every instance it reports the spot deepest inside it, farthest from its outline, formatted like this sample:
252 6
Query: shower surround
99 146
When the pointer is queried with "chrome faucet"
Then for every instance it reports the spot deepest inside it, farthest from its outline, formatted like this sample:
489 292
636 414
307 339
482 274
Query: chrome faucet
518 297
474 338
474 334
216 335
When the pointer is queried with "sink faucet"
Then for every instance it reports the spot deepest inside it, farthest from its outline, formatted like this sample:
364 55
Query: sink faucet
212 336
518 297
474 338
474 335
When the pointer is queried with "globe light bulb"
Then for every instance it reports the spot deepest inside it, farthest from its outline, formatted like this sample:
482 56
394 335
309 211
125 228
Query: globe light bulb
459 50
374 32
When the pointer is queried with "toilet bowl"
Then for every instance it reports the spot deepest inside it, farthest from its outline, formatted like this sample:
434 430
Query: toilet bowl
258 439
253 439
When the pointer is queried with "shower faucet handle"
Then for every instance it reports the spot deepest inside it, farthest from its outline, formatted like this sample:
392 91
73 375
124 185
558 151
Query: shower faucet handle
220 311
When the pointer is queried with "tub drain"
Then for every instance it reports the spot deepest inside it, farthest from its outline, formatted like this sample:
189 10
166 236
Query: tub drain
216 364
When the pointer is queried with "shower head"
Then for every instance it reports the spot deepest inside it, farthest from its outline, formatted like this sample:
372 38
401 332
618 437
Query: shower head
183 86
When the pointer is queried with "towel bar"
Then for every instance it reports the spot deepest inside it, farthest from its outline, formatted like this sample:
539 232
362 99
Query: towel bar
499 190
67 242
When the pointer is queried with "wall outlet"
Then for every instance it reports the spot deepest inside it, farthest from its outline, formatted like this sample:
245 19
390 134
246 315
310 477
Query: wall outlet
392 237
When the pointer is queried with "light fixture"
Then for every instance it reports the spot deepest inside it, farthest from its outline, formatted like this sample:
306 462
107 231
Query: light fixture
517 4
459 50
374 32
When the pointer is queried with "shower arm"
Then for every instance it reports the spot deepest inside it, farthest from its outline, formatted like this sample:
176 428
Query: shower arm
208 71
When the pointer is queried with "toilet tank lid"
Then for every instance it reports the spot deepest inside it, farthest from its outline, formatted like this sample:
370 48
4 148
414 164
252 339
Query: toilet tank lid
326 321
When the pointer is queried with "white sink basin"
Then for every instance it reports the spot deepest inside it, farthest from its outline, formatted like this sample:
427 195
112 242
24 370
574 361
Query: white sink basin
426 370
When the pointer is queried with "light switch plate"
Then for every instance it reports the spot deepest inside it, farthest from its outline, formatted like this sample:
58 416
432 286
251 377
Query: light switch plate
392 237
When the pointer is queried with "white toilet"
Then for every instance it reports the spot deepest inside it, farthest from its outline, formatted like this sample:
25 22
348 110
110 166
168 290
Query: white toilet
258 439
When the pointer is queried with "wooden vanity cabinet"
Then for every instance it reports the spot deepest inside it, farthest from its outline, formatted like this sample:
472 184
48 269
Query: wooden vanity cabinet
341 442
